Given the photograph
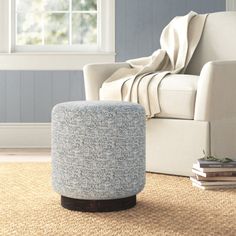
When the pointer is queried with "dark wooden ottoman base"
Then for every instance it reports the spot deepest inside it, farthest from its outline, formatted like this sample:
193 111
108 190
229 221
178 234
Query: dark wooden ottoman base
98 205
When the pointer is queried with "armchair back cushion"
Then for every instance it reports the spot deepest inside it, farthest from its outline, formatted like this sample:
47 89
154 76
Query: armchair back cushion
218 41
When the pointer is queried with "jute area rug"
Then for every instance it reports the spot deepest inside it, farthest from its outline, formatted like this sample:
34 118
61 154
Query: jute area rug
167 206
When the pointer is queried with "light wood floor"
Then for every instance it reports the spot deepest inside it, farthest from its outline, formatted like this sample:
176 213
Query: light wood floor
24 155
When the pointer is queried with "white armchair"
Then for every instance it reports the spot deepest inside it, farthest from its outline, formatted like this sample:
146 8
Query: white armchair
198 108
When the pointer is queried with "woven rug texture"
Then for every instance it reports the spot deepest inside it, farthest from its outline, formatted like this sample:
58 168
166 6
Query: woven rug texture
168 206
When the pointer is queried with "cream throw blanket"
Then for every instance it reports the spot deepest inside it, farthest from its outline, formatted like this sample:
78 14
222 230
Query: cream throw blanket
140 82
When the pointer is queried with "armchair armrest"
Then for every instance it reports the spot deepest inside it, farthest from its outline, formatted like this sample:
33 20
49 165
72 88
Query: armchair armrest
96 74
216 94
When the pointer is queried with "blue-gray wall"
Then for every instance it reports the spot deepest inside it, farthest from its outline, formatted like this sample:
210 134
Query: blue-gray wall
139 22
28 96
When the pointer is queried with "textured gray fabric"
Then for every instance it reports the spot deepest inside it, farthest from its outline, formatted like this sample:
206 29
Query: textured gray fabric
98 149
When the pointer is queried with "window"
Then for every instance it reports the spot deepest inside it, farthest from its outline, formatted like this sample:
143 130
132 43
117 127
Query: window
73 29
56 22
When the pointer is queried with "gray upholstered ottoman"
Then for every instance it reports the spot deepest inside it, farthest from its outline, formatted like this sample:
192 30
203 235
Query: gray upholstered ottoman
98 154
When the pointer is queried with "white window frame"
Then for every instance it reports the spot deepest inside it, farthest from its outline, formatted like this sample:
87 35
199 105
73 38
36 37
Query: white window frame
56 58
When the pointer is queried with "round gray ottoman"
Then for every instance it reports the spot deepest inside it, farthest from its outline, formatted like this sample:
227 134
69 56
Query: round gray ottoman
98 154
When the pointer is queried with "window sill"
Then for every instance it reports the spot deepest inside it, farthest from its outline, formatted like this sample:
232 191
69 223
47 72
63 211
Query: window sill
53 60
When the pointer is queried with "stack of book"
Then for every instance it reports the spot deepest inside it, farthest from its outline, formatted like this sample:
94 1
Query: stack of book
210 174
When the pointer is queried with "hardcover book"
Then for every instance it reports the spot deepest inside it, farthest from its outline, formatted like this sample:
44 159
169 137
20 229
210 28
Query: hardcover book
211 174
217 164
230 169
214 173
213 187
211 183
216 178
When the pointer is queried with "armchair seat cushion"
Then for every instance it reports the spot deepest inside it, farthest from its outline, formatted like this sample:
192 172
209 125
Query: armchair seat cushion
177 95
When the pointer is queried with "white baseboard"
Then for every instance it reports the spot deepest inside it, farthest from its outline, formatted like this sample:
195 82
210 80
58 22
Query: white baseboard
25 135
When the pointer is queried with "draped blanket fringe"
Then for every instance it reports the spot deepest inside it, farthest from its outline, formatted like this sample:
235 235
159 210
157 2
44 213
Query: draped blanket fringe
140 82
